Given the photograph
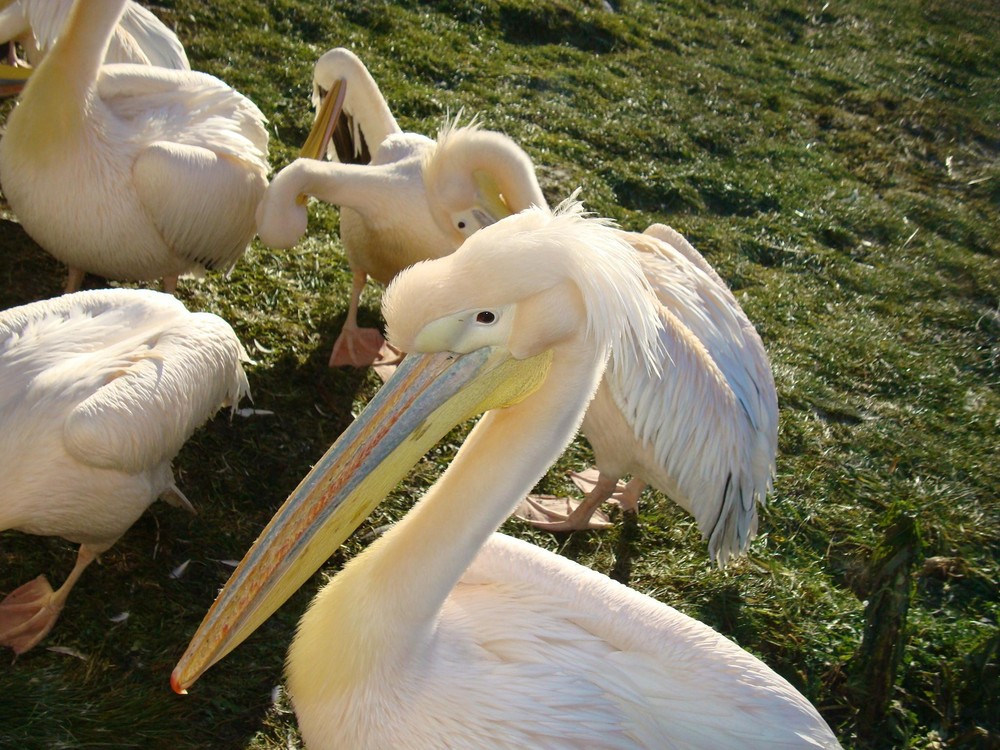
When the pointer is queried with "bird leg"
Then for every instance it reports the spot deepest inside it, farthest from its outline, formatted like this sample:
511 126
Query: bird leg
28 613
74 279
626 495
565 514
360 347
628 498
170 285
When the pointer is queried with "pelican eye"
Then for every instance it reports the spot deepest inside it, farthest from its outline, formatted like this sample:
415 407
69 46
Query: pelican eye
461 225
486 317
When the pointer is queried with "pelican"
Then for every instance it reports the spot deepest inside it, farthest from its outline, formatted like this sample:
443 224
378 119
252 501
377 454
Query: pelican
702 427
131 171
140 37
444 633
403 196
98 392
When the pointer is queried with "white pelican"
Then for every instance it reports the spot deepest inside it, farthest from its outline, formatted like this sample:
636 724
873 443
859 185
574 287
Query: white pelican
443 633
403 196
702 427
140 37
131 171
98 392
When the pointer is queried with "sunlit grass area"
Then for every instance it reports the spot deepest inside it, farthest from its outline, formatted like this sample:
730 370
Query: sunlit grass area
839 165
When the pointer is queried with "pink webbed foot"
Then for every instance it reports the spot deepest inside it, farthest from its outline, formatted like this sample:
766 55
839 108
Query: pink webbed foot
28 613
587 480
553 513
565 514
362 347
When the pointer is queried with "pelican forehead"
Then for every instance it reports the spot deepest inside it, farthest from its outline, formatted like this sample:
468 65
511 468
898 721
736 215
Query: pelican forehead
434 290
523 255
498 265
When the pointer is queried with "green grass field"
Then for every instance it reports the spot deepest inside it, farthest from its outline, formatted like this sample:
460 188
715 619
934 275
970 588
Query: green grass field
838 163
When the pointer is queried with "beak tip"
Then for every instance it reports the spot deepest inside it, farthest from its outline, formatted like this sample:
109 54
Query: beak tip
175 683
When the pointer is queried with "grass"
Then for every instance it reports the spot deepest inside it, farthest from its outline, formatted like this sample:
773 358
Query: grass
837 163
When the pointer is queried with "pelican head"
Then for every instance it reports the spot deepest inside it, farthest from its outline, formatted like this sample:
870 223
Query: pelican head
476 177
526 283
485 328
343 89
331 69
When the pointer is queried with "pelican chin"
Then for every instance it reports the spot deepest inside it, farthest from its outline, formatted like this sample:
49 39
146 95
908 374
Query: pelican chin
444 633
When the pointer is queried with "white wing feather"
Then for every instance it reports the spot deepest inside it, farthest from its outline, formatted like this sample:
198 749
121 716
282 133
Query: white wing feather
213 109
172 379
184 217
45 17
143 305
207 152
141 372
710 417
140 35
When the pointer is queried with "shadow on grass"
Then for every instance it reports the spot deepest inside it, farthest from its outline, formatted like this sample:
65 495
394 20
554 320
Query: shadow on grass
27 273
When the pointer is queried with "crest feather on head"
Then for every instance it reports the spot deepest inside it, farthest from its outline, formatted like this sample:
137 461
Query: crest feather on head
525 254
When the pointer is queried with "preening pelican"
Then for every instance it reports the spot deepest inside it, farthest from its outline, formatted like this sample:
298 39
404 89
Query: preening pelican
140 37
403 196
98 392
131 171
701 427
443 633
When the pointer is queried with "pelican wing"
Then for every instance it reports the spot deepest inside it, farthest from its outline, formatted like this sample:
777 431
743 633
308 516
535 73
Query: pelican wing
140 371
44 17
756 389
142 307
171 102
57 351
679 242
710 416
205 157
158 387
184 189
142 37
